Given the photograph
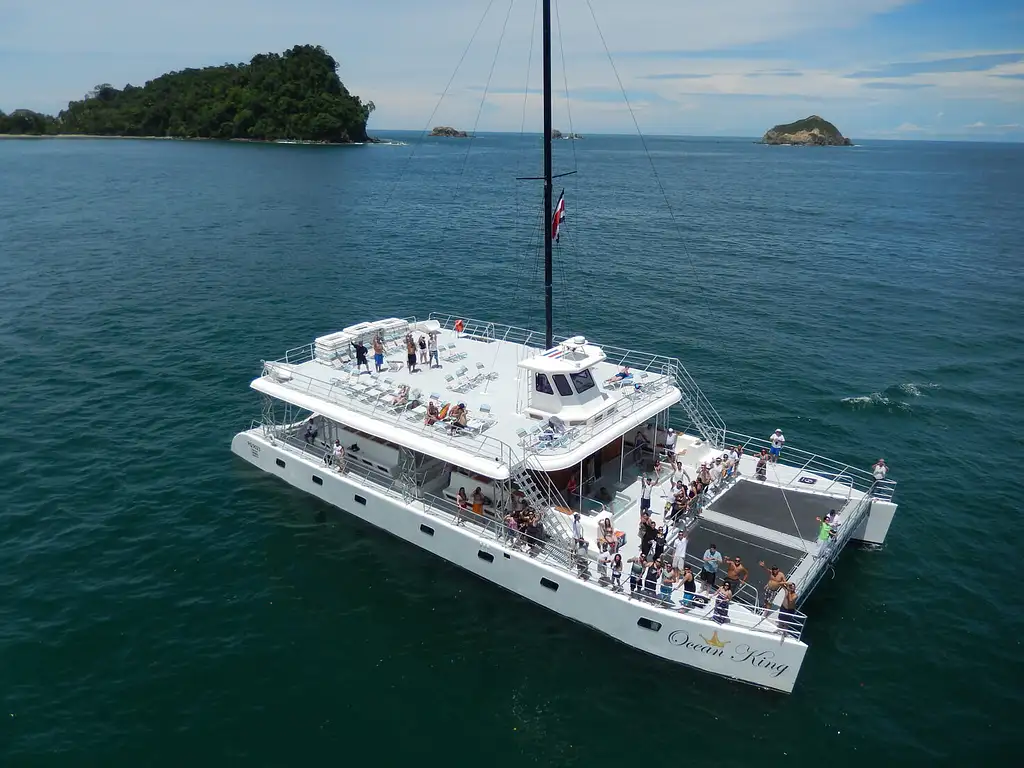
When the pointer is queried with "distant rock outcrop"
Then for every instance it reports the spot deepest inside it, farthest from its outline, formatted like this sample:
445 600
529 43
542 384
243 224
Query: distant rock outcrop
811 131
557 134
449 132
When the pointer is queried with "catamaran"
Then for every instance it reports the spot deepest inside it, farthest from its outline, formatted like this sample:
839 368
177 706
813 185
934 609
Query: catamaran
532 460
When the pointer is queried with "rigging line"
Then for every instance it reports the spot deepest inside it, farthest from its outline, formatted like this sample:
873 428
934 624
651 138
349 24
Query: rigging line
419 143
575 165
792 517
522 123
565 81
476 122
654 170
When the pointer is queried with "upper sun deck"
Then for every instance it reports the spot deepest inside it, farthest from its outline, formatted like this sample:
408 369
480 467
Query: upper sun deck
492 370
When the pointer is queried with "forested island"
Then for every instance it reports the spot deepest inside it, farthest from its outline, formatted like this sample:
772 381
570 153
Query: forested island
811 131
294 96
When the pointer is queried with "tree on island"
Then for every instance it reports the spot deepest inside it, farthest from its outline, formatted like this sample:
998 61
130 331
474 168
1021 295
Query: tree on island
26 122
296 95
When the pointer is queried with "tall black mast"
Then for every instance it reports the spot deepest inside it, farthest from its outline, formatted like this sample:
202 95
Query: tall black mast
549 334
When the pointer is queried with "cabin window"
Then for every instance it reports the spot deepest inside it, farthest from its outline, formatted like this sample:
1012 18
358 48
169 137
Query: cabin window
485 556
542 385
360 499
280 463
563 385
650 624
427 530
318 480
582 381
552 585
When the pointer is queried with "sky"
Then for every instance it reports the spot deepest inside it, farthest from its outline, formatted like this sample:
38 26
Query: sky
878 69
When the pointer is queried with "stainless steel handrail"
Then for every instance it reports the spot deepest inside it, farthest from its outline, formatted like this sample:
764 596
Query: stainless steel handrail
493 528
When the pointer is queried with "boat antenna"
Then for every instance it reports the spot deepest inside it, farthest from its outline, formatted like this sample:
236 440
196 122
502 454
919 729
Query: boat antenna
546 35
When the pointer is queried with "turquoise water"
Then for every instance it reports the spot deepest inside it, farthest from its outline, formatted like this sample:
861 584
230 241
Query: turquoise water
163 601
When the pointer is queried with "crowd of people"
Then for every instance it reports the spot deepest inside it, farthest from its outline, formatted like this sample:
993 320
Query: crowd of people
421 351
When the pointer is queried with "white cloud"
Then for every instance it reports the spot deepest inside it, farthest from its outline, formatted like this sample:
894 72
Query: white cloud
909 128
978 124
672 57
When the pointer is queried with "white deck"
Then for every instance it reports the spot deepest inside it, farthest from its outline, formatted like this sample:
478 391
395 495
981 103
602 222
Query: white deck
760 538
499 385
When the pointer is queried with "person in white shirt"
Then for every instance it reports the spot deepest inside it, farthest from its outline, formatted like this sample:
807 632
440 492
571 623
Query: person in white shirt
578 535
432 350
646 488
880 470
679 552
734 457
339 456
778 441
670 445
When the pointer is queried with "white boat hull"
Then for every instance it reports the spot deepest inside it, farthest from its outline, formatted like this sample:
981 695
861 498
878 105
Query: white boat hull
766 660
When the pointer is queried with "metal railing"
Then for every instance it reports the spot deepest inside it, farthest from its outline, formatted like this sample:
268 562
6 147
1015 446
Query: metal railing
823 559
661 369
337 391
842 476
494 529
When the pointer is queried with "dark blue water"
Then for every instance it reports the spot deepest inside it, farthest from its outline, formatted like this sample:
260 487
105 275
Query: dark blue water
163 602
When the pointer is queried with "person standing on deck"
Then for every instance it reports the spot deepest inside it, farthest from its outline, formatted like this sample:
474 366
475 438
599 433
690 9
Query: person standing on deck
339 456
422 344
646 488
778 440
788 618
762 465
879 471
670 445
361 356
736 572
578 535
679 552
776 579
378 353
432 349
824 533
689 587
712 559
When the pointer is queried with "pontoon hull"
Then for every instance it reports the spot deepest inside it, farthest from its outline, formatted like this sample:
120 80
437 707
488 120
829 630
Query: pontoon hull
766 660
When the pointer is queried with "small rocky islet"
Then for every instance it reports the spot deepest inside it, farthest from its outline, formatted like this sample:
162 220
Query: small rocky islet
812 131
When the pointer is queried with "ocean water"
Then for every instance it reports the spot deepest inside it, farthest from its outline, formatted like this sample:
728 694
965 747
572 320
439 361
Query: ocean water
161 601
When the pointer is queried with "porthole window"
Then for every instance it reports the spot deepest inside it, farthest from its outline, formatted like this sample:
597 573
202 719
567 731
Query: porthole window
650 624
552 585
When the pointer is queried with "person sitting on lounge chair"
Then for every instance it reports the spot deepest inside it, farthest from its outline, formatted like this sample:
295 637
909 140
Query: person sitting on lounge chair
620 376
433 414
400 396
459 418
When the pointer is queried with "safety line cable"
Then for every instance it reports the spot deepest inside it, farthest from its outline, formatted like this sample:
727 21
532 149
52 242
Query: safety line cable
437 106
476 123
650 160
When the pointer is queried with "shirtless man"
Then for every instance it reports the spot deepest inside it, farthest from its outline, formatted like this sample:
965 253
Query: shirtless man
787 613
776 581
736 572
